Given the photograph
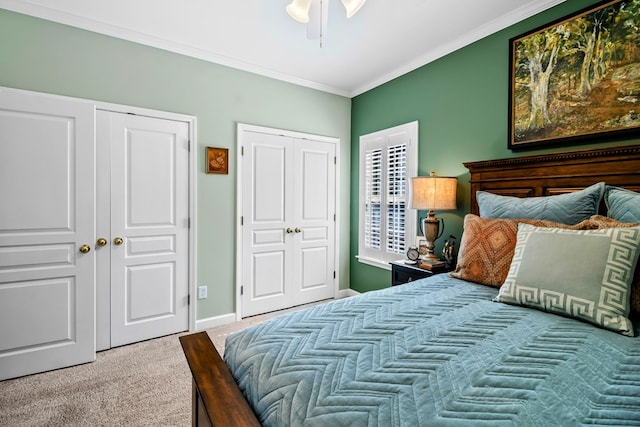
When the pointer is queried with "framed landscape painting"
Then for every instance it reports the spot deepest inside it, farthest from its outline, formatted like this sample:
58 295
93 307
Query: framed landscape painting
577 79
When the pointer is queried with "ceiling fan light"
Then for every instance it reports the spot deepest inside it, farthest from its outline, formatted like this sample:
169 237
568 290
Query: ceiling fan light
299 10
352 6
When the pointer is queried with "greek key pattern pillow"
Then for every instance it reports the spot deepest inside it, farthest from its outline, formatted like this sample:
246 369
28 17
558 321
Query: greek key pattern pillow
584 274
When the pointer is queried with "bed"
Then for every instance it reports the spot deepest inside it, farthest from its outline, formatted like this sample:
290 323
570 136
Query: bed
479 348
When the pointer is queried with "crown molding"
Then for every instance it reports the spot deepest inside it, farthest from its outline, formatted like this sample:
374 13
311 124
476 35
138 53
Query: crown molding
466 39
50 14
76 21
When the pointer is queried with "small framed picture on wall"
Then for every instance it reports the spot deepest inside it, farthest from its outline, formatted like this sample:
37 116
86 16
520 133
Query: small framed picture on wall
217 160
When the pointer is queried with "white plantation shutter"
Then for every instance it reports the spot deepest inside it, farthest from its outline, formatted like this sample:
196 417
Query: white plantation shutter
388 159
396 195
373 199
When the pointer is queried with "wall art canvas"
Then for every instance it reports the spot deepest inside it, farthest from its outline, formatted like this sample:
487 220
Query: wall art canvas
577 79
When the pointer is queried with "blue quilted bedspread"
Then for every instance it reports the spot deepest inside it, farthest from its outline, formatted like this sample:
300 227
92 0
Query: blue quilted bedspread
437 352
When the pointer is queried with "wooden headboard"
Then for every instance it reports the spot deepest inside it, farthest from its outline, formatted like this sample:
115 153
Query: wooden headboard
551 174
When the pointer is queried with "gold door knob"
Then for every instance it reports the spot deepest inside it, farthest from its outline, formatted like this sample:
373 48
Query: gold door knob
289 230
85 249
118 241
101 242
298 230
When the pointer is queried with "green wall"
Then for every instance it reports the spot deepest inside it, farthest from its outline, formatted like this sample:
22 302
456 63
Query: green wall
461 103
42 56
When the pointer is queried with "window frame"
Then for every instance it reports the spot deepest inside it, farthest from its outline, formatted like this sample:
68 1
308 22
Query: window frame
383 139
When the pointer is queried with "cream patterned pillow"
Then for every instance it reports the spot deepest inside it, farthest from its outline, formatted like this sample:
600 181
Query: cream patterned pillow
600 222
582 274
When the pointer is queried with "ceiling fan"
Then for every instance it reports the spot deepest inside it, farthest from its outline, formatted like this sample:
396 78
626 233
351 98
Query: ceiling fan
314 12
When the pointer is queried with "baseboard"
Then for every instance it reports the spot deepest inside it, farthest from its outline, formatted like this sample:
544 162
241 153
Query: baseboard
212 322
346 293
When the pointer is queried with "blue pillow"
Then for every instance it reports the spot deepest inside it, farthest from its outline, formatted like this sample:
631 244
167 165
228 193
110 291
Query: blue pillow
622 205
570 208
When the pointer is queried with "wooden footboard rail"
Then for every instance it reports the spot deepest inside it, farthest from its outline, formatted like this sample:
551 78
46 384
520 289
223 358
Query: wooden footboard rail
217 400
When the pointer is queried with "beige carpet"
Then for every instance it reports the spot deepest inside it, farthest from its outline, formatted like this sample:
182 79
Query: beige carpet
142 384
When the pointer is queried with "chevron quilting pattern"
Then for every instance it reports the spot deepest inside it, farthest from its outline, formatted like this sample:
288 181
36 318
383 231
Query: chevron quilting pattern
435 352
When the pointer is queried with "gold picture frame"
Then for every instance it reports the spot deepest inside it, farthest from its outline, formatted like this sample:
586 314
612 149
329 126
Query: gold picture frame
217 160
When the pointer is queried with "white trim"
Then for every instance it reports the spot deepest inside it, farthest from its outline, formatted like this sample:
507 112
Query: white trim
336 228
374 262
193 221
240 129
346 293
243 127
288 133
383 139
212 322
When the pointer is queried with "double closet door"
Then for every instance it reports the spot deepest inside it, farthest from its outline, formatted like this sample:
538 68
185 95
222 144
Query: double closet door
288 220
72 177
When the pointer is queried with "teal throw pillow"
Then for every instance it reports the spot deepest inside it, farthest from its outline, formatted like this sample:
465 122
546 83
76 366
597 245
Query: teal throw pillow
583 274
570 208
622 205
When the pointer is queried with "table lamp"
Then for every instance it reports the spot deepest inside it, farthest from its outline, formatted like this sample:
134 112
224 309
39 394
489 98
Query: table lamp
433 193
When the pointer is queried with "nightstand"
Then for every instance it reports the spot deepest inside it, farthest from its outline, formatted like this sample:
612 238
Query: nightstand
402 273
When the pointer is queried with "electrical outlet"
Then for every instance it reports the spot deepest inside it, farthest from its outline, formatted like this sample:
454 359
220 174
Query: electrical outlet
202 292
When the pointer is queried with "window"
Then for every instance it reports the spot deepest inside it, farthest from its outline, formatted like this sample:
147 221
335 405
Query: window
388 159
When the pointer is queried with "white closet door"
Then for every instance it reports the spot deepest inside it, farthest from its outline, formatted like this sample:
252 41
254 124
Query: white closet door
314 210
149 227
46 215
288 232
268 223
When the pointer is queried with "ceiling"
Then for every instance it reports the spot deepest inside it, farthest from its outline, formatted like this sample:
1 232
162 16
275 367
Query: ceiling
385 39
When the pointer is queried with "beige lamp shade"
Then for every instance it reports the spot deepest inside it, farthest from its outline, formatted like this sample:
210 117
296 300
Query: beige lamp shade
434 192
